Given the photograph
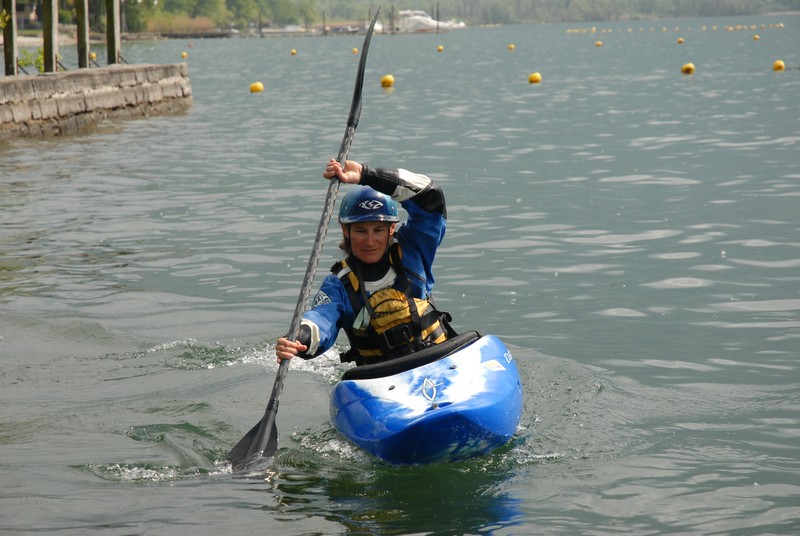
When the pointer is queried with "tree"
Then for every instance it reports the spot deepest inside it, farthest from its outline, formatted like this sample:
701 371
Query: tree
307 11
244 12
497 12
215 10
283 12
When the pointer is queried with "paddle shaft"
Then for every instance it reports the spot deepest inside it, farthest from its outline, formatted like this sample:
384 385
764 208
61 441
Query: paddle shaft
260 437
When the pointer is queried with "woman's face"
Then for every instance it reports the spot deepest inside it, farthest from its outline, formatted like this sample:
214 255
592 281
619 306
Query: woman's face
369 239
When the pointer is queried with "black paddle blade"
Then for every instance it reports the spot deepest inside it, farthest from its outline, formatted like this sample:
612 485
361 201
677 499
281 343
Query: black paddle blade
240 455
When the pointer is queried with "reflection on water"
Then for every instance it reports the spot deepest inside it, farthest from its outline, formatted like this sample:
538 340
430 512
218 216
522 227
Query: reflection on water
439 499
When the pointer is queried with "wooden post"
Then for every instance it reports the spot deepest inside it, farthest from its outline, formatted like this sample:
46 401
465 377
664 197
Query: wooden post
50 12
10 37
82 12
113 39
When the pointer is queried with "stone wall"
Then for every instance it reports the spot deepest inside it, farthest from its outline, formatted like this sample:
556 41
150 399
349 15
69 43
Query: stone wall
58 103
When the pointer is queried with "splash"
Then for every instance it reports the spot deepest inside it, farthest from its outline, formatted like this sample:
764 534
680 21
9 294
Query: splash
118 472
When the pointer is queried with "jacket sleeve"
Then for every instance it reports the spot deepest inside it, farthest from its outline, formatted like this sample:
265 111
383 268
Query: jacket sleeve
403 185
420 236
326 316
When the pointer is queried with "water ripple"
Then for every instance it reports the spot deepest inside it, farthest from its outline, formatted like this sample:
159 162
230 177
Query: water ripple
614 239
759 306
680 283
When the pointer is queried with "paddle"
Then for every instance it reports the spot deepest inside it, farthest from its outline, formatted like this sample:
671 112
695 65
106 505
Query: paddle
262 440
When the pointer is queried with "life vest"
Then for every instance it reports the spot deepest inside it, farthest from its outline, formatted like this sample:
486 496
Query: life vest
399 323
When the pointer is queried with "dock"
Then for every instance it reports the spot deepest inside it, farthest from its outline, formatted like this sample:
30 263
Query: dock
56 101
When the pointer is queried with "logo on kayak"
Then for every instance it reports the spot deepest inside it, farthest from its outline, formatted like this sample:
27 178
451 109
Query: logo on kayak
430 389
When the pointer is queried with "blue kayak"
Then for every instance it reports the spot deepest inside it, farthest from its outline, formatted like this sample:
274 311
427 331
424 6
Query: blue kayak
459 399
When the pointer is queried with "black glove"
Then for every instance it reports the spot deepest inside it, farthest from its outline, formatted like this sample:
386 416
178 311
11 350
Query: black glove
304 337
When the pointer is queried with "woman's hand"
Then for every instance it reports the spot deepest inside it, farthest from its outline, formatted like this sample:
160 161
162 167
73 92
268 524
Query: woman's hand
351 174
286 349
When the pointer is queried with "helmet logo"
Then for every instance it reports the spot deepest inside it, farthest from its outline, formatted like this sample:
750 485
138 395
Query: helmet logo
370 204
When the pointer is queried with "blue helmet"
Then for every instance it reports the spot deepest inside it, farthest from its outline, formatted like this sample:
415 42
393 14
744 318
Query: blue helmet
362 203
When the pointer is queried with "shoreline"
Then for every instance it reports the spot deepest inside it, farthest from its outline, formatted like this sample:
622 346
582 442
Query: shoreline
67 38
38 41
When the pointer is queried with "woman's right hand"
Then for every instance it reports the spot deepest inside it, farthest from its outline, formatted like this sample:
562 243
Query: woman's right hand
286 349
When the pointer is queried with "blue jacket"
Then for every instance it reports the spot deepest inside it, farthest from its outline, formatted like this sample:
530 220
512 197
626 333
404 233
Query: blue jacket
419 238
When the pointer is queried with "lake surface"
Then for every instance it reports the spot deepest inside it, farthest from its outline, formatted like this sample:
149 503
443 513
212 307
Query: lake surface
632 234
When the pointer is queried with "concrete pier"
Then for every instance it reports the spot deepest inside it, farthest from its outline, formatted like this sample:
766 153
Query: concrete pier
54 104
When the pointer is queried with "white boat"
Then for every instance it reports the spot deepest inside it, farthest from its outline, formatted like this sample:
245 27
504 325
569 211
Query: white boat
416 21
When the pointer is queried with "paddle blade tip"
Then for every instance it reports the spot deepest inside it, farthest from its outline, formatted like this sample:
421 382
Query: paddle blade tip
246 452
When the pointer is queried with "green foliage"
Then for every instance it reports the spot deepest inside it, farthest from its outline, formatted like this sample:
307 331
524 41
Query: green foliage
242 12
66 16
215 10
4 18
307 11
28 58
284 12
136 16
182 7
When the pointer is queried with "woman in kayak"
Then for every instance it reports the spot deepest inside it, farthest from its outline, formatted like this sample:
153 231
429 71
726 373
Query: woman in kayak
380 294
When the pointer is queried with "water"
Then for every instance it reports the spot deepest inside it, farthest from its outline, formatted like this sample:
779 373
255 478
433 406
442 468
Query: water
631 233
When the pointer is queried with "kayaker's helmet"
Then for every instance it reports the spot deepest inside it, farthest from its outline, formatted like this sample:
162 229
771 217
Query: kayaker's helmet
362 203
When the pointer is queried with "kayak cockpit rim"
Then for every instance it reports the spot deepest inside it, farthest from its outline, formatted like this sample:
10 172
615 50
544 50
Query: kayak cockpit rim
414 360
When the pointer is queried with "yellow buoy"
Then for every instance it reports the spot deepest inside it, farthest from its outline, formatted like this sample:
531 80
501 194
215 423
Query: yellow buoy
598 44
92 56
680 40
778 66
387 80
184 55
688 68
355 50
256 87
440 48
512 46
534 78
756 37
294 52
